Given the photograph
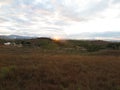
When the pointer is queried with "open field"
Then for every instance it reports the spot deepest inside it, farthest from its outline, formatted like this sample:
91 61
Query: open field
36 69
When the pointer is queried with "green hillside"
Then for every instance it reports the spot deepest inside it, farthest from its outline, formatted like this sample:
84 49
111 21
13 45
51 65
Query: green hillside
67 45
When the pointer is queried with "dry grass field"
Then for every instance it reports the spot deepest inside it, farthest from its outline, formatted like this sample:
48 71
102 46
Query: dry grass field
33 69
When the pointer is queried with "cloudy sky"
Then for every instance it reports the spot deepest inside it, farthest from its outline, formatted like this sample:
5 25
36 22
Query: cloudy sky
58 17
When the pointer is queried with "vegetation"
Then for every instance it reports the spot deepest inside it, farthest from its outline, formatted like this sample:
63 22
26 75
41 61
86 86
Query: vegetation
114 46
46 43
59 66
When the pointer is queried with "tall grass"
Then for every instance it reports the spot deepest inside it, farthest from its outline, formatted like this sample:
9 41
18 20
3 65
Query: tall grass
33 70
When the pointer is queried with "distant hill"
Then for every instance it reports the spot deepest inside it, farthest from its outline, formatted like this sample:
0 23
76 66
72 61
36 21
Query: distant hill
108 36
14 37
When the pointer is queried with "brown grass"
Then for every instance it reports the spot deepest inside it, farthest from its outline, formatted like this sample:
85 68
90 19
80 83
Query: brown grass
32 70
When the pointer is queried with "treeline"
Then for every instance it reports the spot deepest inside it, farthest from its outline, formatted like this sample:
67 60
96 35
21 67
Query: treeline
115 46
92 46
47 43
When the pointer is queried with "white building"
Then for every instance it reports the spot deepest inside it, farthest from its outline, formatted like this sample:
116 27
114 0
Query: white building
7 43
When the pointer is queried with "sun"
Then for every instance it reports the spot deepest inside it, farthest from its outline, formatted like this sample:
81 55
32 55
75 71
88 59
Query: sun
56 38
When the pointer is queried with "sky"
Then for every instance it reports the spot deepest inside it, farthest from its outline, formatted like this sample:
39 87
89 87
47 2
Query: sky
58 17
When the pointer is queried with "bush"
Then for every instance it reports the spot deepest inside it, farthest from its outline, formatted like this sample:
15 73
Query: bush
4 71
114 46
26 43
92 48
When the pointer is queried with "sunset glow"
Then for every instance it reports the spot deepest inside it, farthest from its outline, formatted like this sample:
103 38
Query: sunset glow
56 38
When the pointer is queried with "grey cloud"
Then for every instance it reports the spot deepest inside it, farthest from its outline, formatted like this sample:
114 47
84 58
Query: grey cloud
95 7
116 1
23 15
61 23
3 20
51 29
11 14
87 14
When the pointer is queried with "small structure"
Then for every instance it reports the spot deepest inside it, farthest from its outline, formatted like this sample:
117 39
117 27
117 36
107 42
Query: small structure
7 43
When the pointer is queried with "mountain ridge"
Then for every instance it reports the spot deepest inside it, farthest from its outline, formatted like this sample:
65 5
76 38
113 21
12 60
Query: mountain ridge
109 36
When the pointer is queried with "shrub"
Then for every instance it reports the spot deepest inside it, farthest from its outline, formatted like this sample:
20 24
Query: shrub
4 71
114 46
